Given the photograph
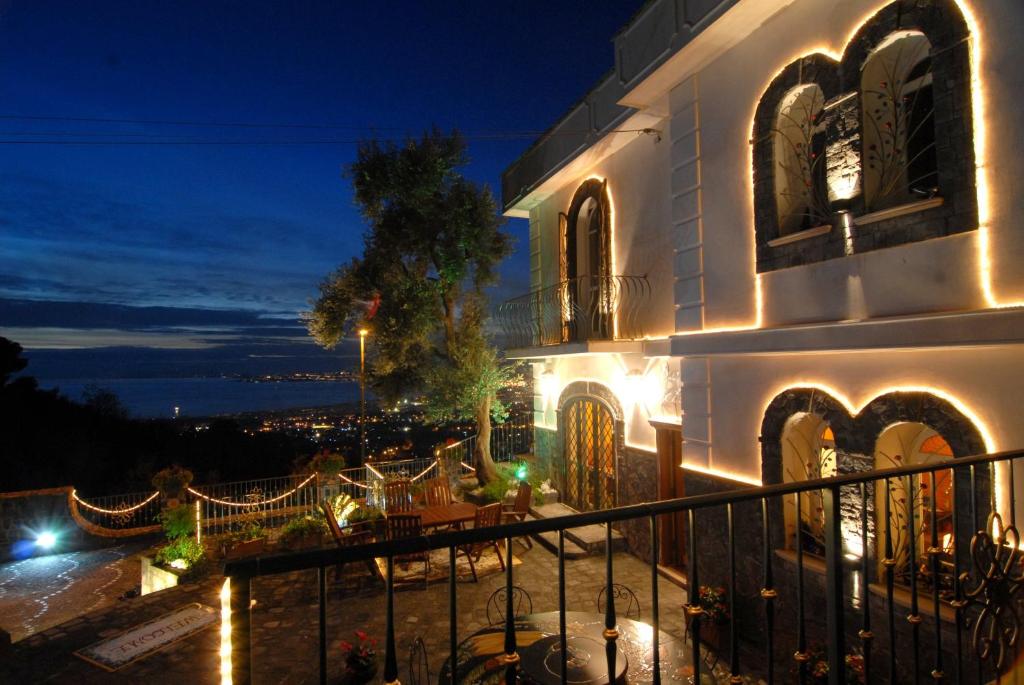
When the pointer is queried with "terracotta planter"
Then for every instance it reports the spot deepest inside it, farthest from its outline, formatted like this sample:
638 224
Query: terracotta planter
713 635
360 676
304 542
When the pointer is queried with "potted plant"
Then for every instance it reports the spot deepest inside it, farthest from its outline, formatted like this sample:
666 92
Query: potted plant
817 666
303 532
247 539
172 483
183 558
716 614
360 658
369 515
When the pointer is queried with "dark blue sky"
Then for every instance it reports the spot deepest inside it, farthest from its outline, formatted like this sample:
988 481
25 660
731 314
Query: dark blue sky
243 227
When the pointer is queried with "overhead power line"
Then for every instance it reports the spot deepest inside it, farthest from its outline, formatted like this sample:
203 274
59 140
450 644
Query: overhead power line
117 138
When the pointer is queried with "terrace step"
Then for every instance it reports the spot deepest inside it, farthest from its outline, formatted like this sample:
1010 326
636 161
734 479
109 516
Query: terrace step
590 538
549 541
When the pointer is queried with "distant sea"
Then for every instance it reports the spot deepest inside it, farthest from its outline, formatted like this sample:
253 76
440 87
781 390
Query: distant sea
157 397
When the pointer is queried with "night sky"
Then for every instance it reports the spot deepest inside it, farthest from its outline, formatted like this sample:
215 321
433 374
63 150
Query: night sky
155 236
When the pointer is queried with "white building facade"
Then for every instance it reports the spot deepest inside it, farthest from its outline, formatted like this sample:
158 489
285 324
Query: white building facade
780 240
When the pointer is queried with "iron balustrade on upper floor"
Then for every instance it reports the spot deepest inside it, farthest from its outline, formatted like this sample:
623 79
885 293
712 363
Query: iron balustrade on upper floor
577 310
869 626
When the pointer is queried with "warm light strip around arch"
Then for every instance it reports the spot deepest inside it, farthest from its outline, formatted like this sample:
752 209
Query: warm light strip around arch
981 156
855 408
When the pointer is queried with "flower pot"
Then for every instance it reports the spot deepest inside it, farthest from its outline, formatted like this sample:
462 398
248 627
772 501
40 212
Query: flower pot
356 675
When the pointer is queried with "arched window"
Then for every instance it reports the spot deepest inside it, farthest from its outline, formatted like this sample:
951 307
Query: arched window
801 196
900 164
905 444
858 143
808 453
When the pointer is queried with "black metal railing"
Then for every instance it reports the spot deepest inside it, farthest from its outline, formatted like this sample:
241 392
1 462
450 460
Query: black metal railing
983 552
576 310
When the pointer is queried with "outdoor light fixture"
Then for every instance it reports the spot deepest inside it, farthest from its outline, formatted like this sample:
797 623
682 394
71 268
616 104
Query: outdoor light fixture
46 540
548 384
521 472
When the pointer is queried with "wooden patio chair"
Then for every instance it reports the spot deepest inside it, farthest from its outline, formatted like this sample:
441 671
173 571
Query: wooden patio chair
519 510
484 517
357 534
402 526
397 495
437 492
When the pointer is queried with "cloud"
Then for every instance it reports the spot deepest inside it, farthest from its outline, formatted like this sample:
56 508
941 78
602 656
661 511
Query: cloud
69 242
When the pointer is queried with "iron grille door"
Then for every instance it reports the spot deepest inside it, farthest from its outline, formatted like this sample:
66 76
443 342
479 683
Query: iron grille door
589 456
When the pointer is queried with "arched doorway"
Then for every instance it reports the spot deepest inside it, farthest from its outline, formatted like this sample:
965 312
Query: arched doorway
590 468
586 265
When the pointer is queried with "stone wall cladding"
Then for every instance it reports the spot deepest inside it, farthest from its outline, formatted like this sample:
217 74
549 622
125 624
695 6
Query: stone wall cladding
638 482
547 451
945 28
713 551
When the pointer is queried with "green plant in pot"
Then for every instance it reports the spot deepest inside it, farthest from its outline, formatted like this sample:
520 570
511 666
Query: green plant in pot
326 462
303 531
369 515
172 483
183 552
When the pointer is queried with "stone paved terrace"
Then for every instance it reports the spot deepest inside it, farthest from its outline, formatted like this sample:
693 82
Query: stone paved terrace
285 621
41 592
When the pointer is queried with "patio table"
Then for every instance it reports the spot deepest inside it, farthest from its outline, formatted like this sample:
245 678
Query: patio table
479 657
445 514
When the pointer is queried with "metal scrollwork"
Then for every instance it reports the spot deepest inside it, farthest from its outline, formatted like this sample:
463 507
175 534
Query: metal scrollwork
996 556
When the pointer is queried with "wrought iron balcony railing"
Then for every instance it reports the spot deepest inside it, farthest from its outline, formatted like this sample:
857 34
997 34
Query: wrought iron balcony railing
967 632
576 310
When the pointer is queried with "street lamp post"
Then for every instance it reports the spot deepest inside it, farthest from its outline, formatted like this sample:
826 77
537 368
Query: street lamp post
362 395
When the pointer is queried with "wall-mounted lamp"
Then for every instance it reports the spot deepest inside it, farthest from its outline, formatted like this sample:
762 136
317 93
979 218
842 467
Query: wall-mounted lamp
548 385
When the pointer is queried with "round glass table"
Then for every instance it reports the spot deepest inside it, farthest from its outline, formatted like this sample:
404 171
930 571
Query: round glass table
479 657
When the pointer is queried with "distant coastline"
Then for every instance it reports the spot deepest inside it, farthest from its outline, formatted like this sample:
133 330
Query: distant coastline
201 397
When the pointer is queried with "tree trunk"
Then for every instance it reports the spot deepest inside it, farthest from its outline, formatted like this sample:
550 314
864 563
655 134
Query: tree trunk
485 469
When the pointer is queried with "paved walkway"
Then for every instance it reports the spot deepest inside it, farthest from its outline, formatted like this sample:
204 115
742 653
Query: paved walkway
285 621
38 593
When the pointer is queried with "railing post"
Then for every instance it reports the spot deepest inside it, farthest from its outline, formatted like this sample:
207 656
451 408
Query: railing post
390 659
836 631
321 577
611 633
241 631
511 656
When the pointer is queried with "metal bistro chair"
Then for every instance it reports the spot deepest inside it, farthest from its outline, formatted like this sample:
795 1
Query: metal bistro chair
437 492
397 495
519 510
419 664
402 526
484 517
626 603
496 604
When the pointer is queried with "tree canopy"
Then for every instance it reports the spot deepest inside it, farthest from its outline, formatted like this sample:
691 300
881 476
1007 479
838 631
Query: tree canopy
434 242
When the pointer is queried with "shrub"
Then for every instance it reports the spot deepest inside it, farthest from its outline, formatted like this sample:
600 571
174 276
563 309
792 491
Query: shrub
172 481
326 462
178 522
303 526
189 551
366 512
